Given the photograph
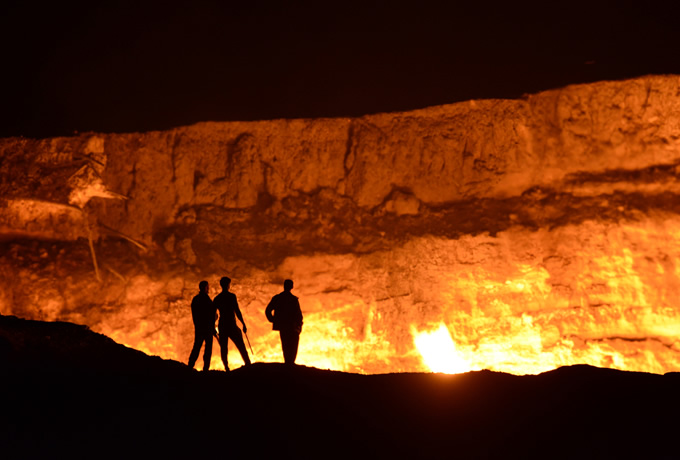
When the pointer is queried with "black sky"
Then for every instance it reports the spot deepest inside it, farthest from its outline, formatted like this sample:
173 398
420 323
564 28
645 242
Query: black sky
138 65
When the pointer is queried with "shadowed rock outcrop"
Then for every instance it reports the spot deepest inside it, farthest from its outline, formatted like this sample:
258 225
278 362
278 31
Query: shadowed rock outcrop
138 405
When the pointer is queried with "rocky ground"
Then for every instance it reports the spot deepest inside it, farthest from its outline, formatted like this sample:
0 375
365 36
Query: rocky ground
70 392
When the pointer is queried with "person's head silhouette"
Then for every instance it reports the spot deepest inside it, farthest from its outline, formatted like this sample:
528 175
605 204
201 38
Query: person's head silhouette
225 281
287 285
203 286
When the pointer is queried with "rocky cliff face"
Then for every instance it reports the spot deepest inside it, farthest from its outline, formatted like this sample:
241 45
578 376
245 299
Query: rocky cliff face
540 232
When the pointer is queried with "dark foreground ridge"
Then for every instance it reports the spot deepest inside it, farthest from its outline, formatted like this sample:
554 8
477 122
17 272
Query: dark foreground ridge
68 391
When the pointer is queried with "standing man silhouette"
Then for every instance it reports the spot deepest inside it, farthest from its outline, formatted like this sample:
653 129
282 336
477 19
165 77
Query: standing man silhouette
284 311
227 305
203 314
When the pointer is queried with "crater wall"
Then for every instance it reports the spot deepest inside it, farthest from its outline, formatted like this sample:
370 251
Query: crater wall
540 232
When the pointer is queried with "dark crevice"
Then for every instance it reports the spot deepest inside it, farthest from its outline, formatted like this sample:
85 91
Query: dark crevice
658 173
314 224
348 149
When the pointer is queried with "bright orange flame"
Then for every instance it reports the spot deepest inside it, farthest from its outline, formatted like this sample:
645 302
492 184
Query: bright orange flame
608 300
439 351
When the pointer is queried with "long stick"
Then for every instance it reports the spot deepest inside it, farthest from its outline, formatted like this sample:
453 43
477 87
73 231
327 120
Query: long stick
248 340
94 256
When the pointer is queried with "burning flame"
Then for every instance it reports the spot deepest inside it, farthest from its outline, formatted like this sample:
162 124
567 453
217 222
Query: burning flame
586 272
608 300
439 352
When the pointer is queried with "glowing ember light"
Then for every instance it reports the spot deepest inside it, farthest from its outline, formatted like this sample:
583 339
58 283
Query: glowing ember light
556 243
439 351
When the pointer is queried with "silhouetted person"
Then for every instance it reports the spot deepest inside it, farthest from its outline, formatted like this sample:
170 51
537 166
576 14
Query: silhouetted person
227 306
203 314
284 311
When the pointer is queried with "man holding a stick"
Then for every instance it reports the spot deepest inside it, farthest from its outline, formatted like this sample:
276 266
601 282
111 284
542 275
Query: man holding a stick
228 309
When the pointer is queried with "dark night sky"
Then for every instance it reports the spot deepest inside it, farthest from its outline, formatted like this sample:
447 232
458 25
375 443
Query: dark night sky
138 65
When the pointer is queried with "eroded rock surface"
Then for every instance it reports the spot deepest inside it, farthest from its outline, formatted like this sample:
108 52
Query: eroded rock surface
541 232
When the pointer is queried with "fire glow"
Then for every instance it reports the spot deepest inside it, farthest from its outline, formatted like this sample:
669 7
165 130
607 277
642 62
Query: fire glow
501 315
439 351
605 295
517 236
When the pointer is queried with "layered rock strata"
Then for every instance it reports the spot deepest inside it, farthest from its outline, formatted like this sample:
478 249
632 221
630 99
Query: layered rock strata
540 232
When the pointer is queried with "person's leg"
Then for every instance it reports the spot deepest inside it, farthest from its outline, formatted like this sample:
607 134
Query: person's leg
294 342
224 350
198 341
284 345
237 337
289 344
207 353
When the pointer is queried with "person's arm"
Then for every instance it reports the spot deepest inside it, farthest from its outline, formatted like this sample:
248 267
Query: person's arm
214 307
299 312
269 311
237 310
